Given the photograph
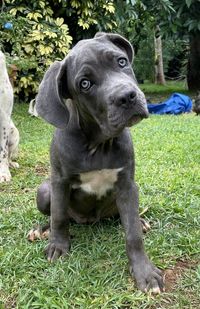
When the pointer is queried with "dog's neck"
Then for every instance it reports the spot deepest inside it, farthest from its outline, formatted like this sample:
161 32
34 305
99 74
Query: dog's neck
89 127
93 133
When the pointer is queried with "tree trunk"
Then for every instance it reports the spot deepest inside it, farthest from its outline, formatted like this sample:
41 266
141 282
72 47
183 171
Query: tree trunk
159 71
193 74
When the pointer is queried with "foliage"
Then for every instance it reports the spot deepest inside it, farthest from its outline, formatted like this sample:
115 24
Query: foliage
95 274
33 35
144 60
135 17
94 13
88 14
186 22
182 22
178 20
85 18
35 40
186 17
137 20
174 57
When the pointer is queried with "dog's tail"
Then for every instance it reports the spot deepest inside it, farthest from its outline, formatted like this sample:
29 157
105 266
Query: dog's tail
32 110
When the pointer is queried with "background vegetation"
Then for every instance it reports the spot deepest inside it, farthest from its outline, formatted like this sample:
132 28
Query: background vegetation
36 33
33 34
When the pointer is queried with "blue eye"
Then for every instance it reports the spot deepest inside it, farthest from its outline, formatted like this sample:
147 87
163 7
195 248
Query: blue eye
122 62
85 84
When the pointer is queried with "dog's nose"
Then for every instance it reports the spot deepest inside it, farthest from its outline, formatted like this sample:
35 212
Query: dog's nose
126 99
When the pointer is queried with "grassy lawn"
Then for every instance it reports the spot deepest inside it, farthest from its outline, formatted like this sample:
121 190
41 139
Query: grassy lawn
158 93
95 275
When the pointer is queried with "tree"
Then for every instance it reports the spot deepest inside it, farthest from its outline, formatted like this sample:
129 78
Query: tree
159 70
135 18
157 10
182 21
186 21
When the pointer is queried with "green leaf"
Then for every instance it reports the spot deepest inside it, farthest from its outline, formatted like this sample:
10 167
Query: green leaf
179 12
188 3
192 26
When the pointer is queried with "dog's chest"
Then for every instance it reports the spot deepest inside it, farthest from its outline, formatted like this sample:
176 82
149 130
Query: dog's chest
98 182
6 92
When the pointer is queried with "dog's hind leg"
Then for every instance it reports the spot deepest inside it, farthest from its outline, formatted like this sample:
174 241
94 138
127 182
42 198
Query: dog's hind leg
4 133
13 142
43 205
39 232
43 197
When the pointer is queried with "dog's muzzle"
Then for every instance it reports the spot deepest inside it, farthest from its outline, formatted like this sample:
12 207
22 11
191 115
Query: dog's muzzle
126 99
127 108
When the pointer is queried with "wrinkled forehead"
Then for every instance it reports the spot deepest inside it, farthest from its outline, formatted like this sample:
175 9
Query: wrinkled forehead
93 53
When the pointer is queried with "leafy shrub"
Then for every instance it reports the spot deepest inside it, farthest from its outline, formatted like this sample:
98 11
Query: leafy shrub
33 34
34 39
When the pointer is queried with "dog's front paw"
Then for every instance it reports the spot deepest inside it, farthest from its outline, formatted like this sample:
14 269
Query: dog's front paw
147 276
56 249
13 164
5 175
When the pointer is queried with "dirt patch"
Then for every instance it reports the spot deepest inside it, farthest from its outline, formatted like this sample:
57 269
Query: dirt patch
172 275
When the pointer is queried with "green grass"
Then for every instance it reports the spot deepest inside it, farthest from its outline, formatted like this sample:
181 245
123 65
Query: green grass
157 93
171 86
95 275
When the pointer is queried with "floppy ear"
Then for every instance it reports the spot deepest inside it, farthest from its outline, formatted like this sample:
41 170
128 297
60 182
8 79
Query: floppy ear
52 90
119 41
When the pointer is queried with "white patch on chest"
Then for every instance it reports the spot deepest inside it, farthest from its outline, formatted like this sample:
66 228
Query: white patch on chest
98 182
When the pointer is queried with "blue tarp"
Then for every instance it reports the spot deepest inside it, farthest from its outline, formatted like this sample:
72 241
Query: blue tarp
178 103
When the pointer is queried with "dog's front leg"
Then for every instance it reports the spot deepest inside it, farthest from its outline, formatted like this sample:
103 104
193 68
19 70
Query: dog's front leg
147 276
59 236
4 133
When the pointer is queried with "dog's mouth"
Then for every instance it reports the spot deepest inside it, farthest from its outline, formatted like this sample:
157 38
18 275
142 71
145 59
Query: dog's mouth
135 119
118 123
115 127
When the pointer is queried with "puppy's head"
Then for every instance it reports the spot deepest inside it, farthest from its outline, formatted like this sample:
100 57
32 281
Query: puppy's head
97 76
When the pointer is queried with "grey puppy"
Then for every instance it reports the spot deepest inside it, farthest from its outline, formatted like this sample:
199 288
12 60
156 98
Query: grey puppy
92 97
